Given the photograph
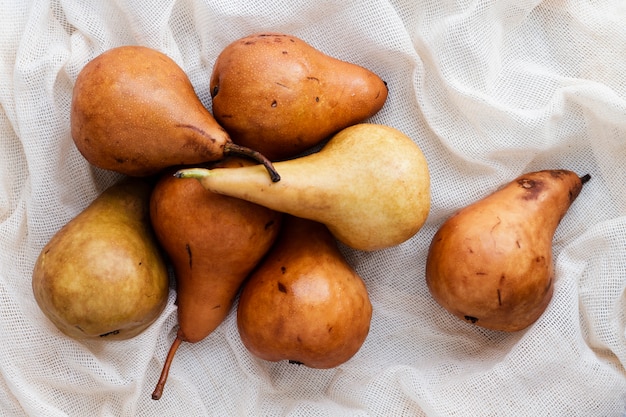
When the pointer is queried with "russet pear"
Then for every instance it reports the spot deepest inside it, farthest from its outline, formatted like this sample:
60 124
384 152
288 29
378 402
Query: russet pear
491 264
369 185
213 242
135 111
277 94
102 275
304 303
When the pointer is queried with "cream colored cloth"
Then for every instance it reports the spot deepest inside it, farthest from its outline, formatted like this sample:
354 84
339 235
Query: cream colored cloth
489 90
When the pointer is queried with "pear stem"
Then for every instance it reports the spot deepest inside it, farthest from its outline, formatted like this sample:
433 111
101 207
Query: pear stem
158 390
233 149
585 178
195 173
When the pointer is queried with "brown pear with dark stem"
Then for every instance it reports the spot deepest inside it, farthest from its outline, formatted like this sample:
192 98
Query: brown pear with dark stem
213 242
491 264
135 111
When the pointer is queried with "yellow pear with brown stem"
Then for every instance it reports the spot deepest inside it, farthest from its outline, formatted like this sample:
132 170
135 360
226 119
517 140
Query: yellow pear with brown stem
213 242
135 111
491 264
304 303
275 93
102 275
369 185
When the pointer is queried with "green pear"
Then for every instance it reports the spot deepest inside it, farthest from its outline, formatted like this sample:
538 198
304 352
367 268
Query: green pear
369 185
102 275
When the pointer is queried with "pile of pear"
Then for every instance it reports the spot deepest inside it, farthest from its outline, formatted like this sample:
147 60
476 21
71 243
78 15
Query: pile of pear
251 202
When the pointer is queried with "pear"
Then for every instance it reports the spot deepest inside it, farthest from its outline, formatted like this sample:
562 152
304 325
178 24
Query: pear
491 263
213 242
369 185
279 95
102 275
304 303
134 111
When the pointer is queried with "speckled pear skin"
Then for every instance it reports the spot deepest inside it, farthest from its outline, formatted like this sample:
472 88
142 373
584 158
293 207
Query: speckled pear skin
491 263
279 95
135 111
213 242
304 303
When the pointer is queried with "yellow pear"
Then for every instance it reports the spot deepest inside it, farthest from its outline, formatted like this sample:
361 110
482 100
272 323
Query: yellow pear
369 185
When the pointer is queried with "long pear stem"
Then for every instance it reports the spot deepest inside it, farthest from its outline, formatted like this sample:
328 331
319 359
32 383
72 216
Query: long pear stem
233 149
158 390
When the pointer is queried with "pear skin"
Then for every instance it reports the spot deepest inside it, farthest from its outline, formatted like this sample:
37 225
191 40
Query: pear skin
134 111
369 185
102 275
491 264
213 242
304 303
280 96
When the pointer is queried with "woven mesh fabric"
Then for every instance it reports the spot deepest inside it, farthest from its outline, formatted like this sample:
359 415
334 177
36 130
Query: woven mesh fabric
488 89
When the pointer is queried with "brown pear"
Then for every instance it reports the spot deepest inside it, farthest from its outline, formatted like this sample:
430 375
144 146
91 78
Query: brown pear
213 242
304 303
135 111
102 275
490 264
279 95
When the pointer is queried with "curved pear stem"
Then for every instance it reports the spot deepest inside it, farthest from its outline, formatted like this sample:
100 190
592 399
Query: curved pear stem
585 178
158 390
233 149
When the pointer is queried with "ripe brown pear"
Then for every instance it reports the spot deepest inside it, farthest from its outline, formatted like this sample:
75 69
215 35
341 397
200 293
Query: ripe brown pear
213 242
369 185
102 275
490 264
279 95
304 303
135 111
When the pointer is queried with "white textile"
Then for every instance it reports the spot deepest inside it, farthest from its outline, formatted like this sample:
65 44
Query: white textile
489 90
